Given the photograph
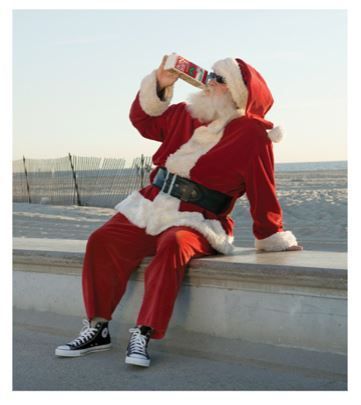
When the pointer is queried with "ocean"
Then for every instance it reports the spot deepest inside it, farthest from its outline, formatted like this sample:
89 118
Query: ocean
311 166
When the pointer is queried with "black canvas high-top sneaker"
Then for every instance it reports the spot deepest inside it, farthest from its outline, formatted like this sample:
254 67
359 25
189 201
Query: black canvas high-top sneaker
91 339
137 353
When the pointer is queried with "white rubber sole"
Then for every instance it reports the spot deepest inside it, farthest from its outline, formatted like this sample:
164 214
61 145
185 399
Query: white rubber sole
137 362
78 353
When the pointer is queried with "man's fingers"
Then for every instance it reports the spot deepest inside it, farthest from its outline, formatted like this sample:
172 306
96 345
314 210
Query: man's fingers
294 248
163 61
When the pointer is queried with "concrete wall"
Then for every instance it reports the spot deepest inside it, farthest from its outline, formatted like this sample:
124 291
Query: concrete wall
278 298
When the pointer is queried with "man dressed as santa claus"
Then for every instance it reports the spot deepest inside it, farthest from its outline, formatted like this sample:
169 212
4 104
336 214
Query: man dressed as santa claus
212 150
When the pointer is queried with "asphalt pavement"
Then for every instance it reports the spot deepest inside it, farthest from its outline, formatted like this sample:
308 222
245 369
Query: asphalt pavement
183 362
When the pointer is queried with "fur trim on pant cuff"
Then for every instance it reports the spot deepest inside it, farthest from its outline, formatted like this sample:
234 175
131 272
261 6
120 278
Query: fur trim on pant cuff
277 242
148 98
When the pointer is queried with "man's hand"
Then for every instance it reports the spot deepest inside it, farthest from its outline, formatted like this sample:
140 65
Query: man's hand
294 248
165 78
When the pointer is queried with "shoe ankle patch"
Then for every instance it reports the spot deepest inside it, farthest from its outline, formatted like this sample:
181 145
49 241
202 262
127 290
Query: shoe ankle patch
105 332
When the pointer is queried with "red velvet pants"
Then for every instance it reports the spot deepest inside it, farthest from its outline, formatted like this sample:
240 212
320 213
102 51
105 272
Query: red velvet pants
116 249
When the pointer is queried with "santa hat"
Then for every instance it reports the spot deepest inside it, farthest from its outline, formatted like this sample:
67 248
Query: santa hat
249 91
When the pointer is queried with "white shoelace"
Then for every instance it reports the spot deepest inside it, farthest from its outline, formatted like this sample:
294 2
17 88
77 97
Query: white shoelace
86 334
138 342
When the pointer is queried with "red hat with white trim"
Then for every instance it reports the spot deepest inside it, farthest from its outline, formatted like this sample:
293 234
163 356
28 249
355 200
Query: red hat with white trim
249 91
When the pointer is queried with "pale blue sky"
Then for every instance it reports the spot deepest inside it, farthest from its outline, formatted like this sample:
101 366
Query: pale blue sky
76 73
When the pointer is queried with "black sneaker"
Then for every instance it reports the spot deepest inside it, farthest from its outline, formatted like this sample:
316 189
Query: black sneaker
91 339
137 353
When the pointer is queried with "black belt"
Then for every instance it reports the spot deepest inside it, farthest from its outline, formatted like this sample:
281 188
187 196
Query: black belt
189 191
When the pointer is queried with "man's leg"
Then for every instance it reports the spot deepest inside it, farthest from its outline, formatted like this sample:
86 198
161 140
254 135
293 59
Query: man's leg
163 277
113 251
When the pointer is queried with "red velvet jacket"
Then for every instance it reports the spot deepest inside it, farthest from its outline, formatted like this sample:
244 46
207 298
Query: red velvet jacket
234 157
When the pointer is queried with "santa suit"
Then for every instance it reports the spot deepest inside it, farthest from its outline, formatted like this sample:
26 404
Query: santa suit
232 155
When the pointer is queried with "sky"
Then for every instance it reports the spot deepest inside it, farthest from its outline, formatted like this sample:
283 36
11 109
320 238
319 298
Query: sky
76 73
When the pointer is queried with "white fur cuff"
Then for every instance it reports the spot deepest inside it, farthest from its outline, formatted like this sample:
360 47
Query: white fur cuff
277 242
148 98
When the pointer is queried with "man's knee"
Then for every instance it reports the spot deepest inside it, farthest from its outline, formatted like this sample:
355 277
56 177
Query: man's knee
175 239
97 238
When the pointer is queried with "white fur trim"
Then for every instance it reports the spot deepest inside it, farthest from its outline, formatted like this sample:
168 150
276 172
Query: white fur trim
276 134
148 98
163 212
203 139
277 242
230 70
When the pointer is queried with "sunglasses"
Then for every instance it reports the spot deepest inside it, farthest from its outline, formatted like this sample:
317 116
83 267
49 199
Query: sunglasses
217 78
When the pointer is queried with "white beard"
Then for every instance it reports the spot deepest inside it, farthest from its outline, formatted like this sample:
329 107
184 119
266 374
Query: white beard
209 107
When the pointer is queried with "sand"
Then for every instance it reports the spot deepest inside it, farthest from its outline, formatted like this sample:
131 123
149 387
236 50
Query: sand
314 204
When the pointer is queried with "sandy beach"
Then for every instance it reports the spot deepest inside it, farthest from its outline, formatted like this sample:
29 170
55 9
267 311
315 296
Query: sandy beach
314 204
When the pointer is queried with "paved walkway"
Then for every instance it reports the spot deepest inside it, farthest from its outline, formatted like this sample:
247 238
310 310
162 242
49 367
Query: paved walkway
180 366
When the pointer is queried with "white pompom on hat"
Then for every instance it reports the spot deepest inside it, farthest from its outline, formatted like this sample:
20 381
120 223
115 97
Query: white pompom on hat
276 134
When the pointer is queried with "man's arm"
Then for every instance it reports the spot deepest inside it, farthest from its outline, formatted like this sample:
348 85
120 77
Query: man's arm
265 208
147 112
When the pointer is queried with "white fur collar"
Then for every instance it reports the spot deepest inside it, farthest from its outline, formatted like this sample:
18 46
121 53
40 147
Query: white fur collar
203 139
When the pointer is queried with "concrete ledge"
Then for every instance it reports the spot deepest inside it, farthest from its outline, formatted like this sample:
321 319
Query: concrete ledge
297 299
323 270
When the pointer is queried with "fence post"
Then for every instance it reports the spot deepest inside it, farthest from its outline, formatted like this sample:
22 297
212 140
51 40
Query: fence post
142 171
75 183
27 181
